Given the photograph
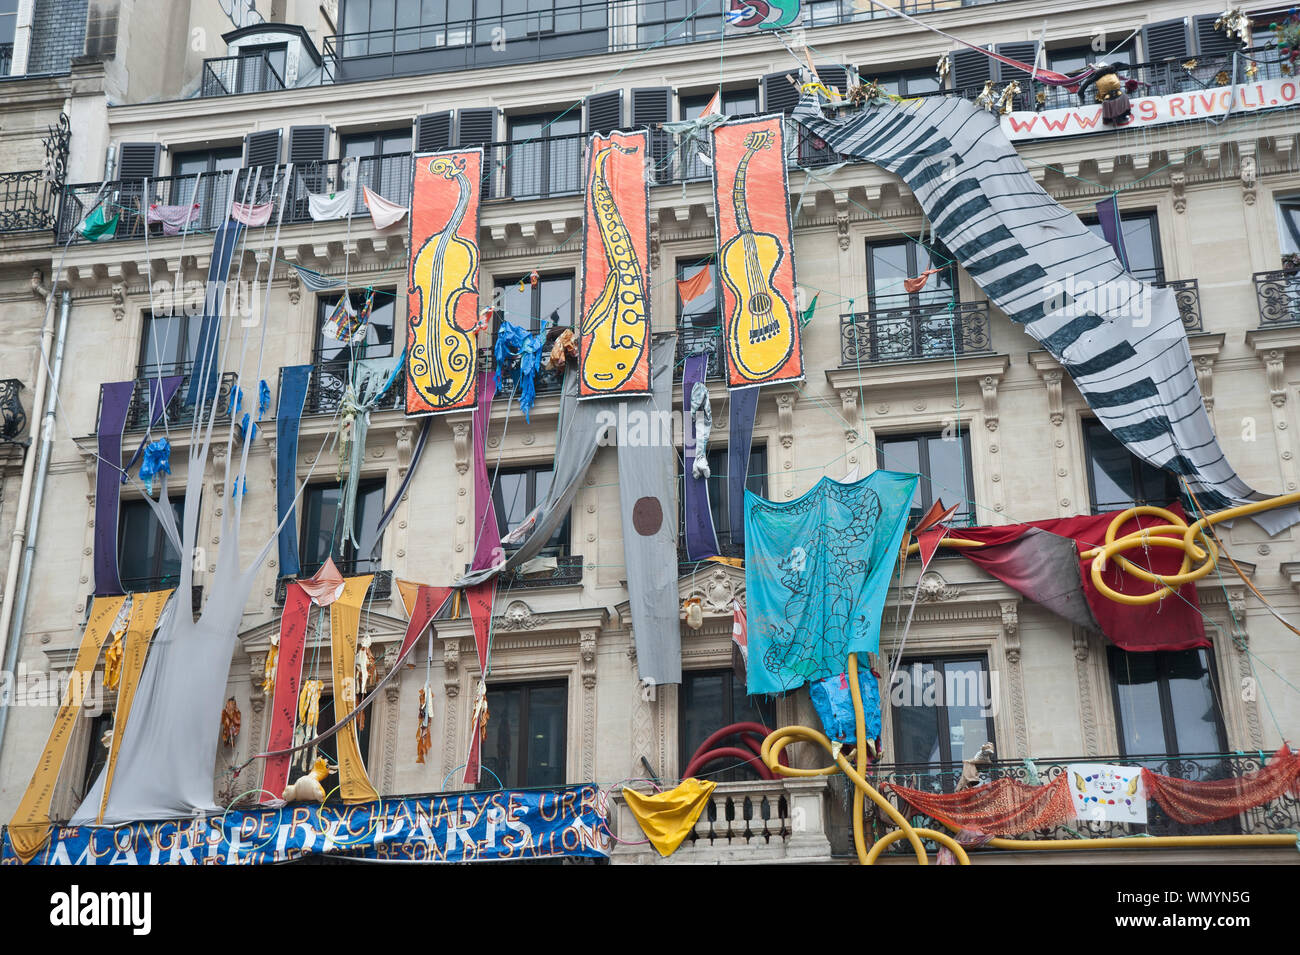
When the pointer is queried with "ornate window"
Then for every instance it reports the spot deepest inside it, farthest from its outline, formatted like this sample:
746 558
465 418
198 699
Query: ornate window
1117 479
944 462
526 743
1166 703
708 700
322 535
942 709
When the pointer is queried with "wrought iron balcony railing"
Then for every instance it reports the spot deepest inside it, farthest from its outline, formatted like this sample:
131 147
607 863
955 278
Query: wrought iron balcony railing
13 419
1278 296
567 572
1279 815
1187 292
701 338
247 73
148 584
546 382
899 328
329 382
381 588
28 201
137 415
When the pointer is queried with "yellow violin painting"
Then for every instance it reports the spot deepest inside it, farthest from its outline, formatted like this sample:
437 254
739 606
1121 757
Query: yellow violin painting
443 284
616 321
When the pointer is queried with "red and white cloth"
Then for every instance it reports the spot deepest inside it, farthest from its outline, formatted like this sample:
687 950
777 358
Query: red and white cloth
254 214
174 219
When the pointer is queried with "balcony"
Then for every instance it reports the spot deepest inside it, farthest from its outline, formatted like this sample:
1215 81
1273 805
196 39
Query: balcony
1187 293
28 200
177 413
897 328
328 383
744 822
708 339
249 73
566 573
1280 815
1277 295
381 588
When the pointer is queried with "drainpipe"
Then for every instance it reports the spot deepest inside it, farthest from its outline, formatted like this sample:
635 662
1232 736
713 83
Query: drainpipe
11 620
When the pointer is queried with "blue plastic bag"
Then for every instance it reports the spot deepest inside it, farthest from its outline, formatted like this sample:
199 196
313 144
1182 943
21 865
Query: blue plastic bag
833 701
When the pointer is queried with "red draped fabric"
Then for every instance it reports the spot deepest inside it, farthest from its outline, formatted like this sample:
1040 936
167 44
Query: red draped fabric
1194 802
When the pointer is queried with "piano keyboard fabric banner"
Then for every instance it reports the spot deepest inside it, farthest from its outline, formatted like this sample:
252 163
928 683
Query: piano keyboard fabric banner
1122 341
442 293
751 197
614 352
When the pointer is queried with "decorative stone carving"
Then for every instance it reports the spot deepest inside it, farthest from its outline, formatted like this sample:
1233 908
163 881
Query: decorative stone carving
1083 680
849 410
1055 402
404 444
460 443
1248 171
989 394
295 286
1178 183
654 245
1275 375
785 418
1205 378
1015 677
842 221
517 616
715 592
587 649
451 667
932 588
119 301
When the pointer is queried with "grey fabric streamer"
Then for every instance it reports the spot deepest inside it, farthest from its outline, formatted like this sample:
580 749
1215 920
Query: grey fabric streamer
702 412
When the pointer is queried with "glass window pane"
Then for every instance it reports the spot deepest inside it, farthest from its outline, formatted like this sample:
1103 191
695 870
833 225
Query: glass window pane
500 748
901 455
740 102
948 479
1289 213
511 499
320 505
702 310
703 709
555 297
1111 466
1137 692
965 706
1195 712
889 266
916 715
370 505
546 717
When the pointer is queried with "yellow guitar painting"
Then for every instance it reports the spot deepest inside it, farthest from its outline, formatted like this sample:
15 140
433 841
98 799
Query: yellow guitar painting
761 330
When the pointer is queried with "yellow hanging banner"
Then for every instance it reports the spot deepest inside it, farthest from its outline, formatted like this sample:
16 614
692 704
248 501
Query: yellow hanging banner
145 611
30 826
667 818
345 618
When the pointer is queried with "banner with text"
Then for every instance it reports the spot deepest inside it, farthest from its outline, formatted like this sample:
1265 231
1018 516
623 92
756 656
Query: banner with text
461 827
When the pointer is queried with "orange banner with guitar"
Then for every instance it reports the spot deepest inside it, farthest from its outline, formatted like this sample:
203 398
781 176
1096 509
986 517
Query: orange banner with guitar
614 341
751 196
442 283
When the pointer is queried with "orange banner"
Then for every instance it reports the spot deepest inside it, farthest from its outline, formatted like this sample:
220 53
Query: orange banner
614 344
145 611
751 196
30 826
345 618
442 283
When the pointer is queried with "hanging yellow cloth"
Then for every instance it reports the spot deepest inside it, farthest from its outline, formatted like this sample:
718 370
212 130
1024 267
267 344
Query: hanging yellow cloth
145 611
30 826
667 818
345 618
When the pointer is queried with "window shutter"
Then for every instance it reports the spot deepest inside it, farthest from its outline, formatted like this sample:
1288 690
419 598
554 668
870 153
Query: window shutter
1212 42
432 132
971 69
834 77
1167 40
478 127
650 107
262 148
605 112
138 160
779 94
309 144
1024 52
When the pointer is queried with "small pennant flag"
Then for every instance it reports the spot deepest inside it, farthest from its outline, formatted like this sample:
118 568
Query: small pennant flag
807 315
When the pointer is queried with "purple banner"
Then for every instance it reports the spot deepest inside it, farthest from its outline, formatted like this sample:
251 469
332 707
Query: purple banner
740 431
487 534
701 537
114 402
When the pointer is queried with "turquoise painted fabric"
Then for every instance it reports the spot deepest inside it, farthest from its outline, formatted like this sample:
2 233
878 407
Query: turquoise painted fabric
817 570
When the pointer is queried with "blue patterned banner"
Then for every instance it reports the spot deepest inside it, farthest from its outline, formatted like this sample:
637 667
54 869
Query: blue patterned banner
816 573
499 826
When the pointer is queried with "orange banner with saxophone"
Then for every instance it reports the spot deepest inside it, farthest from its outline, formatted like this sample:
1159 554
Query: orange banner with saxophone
30 826
614 340
145 611
345 618
442 283
751 196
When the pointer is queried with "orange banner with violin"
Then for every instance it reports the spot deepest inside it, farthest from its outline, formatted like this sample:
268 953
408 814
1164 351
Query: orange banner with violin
442 283
751 195
614 340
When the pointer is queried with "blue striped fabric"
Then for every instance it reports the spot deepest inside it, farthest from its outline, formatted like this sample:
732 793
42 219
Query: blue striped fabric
1122 341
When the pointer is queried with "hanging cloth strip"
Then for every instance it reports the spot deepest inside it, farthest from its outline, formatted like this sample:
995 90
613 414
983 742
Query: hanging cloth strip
743 404
374 377
174 219
914 285
417 453
288 677
1122 342
114 402
701 536
480 599
345 617
382 212
29 829
207 355
1112 228
98 225
692 288
315 281
647 483
252 214
145 611
161 392
1194 802
331 205
667 818
487 533
288 417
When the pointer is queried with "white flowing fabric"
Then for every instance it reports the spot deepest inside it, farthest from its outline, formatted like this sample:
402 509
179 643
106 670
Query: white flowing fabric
382 212
331 205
